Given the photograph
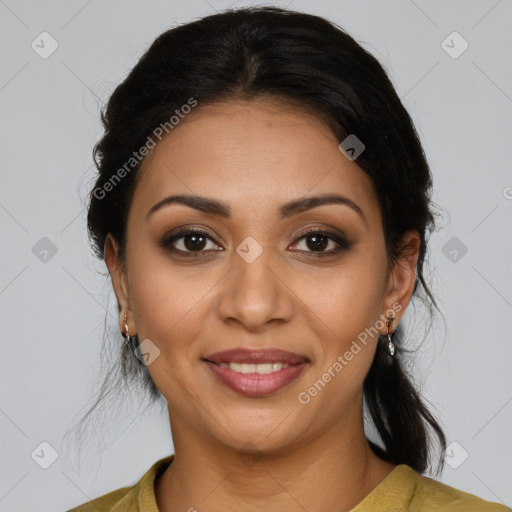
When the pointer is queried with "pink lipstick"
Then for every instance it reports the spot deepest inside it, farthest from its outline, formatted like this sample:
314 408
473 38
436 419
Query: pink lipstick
256 372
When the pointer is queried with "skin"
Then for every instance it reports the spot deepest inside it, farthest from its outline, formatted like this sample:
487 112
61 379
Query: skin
255 156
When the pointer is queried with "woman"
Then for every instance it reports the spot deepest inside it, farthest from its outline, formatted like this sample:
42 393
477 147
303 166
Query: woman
263 207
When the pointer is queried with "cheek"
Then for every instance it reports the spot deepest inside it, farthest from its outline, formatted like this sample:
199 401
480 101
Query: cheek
167 307
170 310
346 308
347 301
346 351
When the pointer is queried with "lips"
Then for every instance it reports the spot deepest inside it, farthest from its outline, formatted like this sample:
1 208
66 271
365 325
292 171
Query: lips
256 372
247 356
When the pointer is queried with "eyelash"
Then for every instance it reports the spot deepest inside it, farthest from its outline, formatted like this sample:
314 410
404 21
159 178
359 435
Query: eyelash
167 241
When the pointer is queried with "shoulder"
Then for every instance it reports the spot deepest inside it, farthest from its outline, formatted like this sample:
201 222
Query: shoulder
406 490
110 502
430 494
130 499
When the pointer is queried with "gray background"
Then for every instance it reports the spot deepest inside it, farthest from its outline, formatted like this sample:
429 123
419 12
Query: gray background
52 306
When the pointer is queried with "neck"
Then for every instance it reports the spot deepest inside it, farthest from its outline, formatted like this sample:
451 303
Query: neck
334 472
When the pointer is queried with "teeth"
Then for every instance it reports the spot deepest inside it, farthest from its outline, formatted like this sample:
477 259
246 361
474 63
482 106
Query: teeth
262 368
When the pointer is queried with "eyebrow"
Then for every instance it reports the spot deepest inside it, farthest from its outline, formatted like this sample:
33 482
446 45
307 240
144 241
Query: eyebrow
216 207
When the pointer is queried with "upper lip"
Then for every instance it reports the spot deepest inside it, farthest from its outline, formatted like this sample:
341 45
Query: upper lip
255 356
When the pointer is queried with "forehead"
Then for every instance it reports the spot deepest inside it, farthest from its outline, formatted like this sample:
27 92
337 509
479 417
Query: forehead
253 155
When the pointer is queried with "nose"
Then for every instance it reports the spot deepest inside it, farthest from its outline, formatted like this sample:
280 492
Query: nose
255 293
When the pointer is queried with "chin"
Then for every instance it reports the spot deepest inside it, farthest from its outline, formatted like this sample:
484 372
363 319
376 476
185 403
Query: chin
270 434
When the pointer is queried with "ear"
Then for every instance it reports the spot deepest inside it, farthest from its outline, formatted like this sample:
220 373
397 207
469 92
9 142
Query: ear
402 276
119 281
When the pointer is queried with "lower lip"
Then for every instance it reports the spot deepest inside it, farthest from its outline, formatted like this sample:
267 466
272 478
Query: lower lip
255 384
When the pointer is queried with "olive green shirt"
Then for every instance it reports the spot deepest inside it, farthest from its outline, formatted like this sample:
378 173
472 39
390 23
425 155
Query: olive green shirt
403 490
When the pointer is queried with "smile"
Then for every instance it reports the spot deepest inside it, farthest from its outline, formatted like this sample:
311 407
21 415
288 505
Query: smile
261 368
256 373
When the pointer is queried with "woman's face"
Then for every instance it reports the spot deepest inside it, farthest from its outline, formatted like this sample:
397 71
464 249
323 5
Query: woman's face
285 306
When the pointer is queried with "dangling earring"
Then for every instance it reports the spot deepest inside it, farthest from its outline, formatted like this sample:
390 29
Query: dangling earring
130 341
390 347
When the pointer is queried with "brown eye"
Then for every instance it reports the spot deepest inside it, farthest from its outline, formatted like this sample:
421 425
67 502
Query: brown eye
317 241
188 241
194 242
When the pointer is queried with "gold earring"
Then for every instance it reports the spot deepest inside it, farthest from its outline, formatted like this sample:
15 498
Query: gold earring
132 342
